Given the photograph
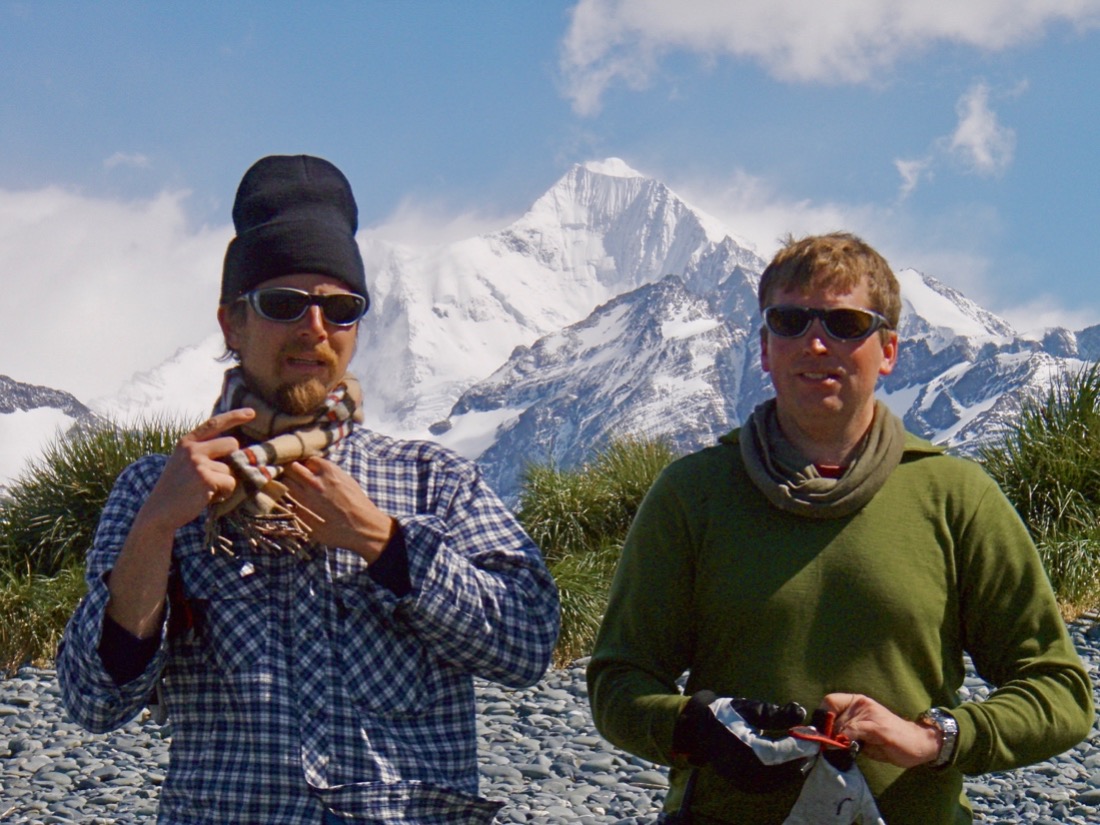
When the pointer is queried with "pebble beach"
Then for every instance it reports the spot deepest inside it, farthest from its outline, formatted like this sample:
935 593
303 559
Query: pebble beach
539 752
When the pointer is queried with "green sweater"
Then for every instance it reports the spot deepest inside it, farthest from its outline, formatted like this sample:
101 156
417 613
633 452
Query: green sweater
758 603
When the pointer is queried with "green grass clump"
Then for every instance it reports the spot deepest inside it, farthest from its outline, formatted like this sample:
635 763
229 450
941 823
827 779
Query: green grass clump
48 519
1048 464
579 518
49 515
35 610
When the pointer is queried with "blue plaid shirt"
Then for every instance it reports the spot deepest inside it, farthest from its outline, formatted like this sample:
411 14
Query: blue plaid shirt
305 684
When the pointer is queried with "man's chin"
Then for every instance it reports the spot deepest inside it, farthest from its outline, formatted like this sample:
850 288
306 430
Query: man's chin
302 397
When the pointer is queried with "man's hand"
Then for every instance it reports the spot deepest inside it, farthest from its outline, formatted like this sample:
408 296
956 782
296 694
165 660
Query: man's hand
347 516
192 479
725 733
883 735
194 476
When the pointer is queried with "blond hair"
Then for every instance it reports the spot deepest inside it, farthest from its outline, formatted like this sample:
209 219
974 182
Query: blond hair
837 261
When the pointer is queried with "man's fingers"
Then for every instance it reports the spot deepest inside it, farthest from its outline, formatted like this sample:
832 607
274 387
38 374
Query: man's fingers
219 492
222 422
838 702
296 469
209 434
316 464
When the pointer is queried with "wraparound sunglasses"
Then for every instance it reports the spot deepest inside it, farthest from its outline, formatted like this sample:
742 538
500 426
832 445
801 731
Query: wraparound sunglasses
841 323
286 305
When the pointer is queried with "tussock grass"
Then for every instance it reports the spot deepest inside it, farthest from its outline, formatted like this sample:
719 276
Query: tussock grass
1048 464
579 518
567 511
35 610
49 516
583 580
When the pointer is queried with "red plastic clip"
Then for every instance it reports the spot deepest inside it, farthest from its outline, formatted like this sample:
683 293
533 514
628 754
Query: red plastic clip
826 738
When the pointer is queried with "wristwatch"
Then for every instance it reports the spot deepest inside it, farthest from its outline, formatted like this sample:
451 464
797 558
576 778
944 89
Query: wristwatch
949 733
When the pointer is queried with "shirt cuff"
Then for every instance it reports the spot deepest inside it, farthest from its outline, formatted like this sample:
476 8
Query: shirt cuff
391 570
124 655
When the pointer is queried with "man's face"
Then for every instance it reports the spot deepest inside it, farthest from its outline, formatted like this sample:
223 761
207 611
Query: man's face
291 365
824 388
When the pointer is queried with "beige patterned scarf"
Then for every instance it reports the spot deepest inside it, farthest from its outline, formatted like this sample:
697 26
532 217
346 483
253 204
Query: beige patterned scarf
792 483
261 507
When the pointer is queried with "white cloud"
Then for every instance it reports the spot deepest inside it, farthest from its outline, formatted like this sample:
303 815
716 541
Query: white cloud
1044 312
97 289
956 246
753 209
427 223
845 41
911 172
133 159
980 142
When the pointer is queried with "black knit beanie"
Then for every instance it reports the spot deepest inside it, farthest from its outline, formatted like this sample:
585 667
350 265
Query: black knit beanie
293 214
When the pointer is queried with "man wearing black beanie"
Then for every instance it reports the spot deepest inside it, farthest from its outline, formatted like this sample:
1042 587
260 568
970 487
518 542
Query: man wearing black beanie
308 600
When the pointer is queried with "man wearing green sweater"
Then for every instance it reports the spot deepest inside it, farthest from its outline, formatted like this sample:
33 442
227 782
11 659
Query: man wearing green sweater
823 556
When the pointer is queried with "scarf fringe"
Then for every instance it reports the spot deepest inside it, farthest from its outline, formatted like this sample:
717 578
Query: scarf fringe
261 509
280 531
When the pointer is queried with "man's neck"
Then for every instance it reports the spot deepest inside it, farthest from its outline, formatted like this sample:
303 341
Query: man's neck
826 446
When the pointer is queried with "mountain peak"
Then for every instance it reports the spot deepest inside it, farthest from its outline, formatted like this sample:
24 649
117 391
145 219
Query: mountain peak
15 396
31 415
612 167
548 336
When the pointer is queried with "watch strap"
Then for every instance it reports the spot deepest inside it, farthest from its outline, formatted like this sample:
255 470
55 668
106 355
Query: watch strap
949 734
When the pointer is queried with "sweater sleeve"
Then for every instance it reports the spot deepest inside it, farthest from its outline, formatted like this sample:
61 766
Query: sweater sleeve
1042 703
646 639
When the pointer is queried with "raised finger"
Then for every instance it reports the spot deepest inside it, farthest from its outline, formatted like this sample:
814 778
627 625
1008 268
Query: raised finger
221 423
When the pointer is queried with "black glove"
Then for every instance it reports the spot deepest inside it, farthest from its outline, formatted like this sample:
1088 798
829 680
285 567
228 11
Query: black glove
706 741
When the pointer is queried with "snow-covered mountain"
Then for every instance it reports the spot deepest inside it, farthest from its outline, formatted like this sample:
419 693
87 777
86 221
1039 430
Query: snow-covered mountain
181 388
614 308
657 360
443 318
661 361
30 417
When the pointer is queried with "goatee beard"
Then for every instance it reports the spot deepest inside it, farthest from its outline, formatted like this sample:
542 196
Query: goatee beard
305 397
302 398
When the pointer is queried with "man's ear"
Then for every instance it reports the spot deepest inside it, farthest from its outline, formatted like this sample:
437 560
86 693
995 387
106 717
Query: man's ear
889 354
764 349
229 332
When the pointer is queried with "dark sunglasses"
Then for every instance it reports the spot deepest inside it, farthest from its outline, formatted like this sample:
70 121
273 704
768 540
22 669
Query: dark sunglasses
286 305
842 323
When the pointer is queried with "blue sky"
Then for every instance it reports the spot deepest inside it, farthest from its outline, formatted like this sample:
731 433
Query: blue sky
959 138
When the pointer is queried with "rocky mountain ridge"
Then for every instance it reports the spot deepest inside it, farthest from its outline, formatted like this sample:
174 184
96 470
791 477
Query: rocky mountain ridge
612 308
30 416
